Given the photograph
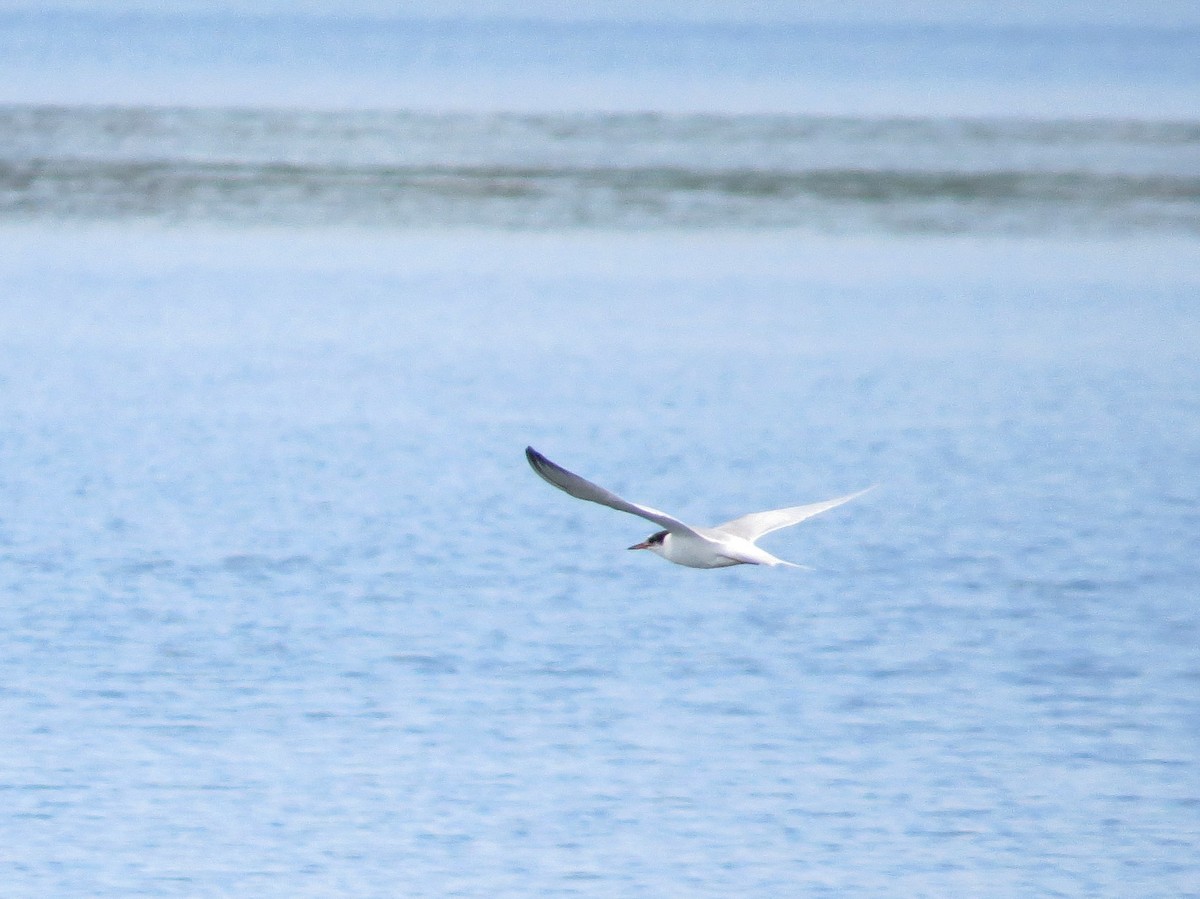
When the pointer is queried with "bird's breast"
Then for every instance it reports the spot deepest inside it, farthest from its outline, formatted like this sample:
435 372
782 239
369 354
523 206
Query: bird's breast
695 552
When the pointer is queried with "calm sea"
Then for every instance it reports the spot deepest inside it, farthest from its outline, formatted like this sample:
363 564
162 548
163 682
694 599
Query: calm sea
283 611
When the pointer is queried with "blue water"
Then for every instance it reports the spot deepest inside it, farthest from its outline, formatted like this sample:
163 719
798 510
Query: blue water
283 611
286 613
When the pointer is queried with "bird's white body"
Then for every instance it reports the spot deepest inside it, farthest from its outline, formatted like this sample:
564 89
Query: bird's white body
731 543
713 550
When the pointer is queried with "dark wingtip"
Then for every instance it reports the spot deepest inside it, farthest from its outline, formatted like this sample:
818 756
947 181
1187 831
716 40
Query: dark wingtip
537 461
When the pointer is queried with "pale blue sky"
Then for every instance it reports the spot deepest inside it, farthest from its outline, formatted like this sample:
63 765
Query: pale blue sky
1159 12
1116 72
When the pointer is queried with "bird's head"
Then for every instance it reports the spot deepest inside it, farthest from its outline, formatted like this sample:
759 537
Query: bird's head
654 542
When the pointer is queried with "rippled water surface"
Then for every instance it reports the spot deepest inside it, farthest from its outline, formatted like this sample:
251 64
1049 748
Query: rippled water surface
284 611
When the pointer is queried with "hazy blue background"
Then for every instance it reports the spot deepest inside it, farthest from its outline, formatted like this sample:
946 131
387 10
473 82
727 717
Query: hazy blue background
1015 12
1115 59
283 296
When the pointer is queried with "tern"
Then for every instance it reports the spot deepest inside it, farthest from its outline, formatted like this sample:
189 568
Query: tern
731 543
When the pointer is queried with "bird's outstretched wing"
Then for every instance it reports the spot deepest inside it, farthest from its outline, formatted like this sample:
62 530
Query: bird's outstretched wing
581 488
756 524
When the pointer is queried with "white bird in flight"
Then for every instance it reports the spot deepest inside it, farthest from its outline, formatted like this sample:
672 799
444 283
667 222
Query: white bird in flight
731 543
